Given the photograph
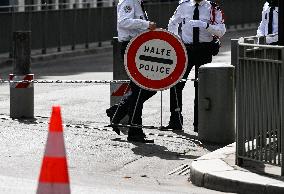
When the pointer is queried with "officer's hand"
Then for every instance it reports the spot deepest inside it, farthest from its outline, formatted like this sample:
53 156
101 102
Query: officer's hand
152 26
198 23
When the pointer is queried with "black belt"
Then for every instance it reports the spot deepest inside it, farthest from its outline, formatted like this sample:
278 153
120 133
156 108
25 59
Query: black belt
196 44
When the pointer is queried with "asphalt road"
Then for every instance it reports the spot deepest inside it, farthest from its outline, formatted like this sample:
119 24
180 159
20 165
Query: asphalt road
99 160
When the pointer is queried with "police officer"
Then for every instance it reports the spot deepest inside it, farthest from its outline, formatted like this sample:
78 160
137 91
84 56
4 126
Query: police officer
131 21
201 25
269 23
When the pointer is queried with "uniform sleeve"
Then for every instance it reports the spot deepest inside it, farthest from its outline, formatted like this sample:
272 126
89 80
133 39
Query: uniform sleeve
261 28
218 28
175 21
125 17
271 39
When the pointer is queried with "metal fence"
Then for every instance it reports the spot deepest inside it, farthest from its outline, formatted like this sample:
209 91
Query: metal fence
71 27
80 24
259 101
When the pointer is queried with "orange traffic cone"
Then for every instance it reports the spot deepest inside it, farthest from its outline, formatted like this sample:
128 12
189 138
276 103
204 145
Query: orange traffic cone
54 178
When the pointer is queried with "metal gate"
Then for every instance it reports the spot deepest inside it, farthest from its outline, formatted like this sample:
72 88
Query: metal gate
259 102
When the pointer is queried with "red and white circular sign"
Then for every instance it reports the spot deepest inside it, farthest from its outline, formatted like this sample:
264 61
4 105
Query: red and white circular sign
155 60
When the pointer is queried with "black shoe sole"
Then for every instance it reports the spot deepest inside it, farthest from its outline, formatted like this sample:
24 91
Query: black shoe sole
177 130
174 128
116 130
140 140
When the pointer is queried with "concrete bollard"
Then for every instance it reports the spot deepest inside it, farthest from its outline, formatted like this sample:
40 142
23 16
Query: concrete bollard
216 114
118 90
22 93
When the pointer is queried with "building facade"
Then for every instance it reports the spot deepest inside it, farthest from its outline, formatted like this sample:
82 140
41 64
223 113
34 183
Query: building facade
37 5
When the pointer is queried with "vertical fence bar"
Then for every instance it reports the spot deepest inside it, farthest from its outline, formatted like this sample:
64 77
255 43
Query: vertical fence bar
279 114
254 106
265 124
274 85
101 26
88 26
44 29
239 113
258 119
244 95
262 99
74 26
247 109
282 111
12 29
169 7
250 103
269 115
260 70
30 18
59 41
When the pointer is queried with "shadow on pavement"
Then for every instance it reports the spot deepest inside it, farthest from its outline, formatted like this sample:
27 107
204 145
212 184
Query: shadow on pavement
263 169
27 121
154 150
209 146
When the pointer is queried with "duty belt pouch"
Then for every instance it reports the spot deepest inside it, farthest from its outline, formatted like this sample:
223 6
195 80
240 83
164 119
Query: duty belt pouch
215 46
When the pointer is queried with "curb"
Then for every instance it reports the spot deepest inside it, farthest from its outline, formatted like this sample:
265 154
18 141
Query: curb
5 61
212 172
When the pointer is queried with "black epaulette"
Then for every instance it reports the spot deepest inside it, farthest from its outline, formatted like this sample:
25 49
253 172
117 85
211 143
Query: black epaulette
182 1
215 5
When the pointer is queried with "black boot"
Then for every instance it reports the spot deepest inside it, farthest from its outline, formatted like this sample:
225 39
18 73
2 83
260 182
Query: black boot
111 111
116 113
176 122
139 139
136 134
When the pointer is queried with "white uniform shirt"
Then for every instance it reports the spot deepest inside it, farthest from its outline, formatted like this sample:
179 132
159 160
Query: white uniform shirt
131 19
263 26
184 13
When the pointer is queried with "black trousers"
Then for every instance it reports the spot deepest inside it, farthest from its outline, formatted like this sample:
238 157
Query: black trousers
132 104
198 55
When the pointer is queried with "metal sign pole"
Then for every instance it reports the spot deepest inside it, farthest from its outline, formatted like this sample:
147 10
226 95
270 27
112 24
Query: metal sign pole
161 110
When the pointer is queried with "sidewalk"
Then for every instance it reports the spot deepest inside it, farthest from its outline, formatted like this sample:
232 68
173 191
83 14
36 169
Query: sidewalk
217 170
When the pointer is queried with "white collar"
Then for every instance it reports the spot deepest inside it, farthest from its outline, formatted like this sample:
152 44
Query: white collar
192 3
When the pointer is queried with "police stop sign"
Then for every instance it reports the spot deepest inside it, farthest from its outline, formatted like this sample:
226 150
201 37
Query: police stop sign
155 60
